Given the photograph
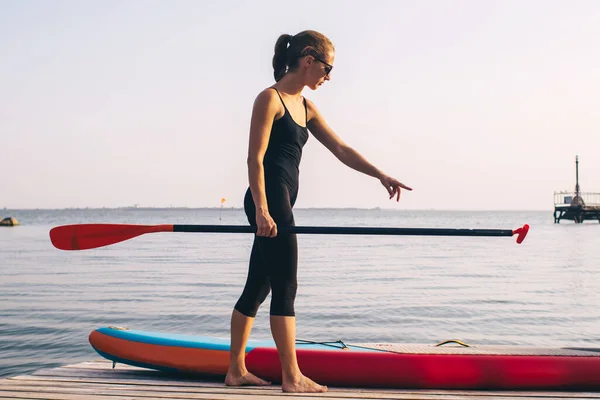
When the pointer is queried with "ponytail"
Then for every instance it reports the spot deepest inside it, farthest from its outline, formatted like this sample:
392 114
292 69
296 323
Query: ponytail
280 57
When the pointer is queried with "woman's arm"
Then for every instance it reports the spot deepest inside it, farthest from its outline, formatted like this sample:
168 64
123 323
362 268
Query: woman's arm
266 106
346 154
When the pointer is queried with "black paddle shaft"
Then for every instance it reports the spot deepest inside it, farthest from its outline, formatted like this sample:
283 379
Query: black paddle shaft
335 230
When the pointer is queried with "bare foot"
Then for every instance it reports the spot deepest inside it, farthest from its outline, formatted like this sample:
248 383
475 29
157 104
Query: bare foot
303 385
246 379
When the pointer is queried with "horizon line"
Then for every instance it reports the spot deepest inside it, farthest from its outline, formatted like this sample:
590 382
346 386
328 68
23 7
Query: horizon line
156 208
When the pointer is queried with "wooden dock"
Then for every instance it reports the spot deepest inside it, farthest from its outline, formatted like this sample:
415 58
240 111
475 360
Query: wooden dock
577 214
96 380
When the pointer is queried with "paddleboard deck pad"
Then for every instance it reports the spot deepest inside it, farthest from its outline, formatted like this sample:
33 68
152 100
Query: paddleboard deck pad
403 366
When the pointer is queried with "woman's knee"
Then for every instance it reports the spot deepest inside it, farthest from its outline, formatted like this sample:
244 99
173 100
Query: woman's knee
283 299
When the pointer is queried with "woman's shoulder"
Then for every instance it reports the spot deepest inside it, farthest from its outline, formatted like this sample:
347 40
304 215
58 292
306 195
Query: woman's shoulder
267 101
267 96
268 93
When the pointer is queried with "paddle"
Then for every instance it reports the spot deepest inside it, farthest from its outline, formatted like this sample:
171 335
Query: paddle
90 236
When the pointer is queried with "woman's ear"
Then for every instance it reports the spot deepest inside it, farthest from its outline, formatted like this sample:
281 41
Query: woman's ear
307 58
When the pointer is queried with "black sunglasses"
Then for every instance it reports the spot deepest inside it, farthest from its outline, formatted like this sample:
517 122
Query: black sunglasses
328 67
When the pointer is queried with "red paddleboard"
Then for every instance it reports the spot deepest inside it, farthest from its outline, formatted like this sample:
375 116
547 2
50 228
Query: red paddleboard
400 366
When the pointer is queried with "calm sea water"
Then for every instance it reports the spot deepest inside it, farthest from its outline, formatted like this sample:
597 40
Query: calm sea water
544 292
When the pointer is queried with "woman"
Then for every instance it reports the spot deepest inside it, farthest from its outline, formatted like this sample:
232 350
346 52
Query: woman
281 118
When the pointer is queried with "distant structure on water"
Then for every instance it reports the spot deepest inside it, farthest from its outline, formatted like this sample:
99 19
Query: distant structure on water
576 206
9 221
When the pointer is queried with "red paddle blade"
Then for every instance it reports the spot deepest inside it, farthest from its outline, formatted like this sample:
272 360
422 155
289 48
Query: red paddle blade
521 233
90 236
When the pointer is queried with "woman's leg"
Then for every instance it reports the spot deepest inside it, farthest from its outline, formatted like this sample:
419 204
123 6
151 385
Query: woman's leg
255 292
281 259
237 374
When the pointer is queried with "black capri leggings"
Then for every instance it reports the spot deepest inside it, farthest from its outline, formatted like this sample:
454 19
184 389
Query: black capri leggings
273 261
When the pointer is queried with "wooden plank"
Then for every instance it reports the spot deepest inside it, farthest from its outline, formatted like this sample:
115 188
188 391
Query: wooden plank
273 392
91 379
103 364
130 374
119 381
95 396
70 393
63 375
188 393
7 385
79 396
61 396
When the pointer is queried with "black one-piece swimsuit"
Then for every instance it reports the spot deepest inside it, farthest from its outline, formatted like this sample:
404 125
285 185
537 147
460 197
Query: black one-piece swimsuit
274 261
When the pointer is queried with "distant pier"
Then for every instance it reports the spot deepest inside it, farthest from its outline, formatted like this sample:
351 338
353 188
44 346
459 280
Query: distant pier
576 206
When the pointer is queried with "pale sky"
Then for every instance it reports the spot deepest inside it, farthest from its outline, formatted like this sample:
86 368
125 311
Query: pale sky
475 104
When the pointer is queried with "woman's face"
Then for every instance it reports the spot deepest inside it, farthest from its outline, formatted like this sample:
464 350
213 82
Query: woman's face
319 70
